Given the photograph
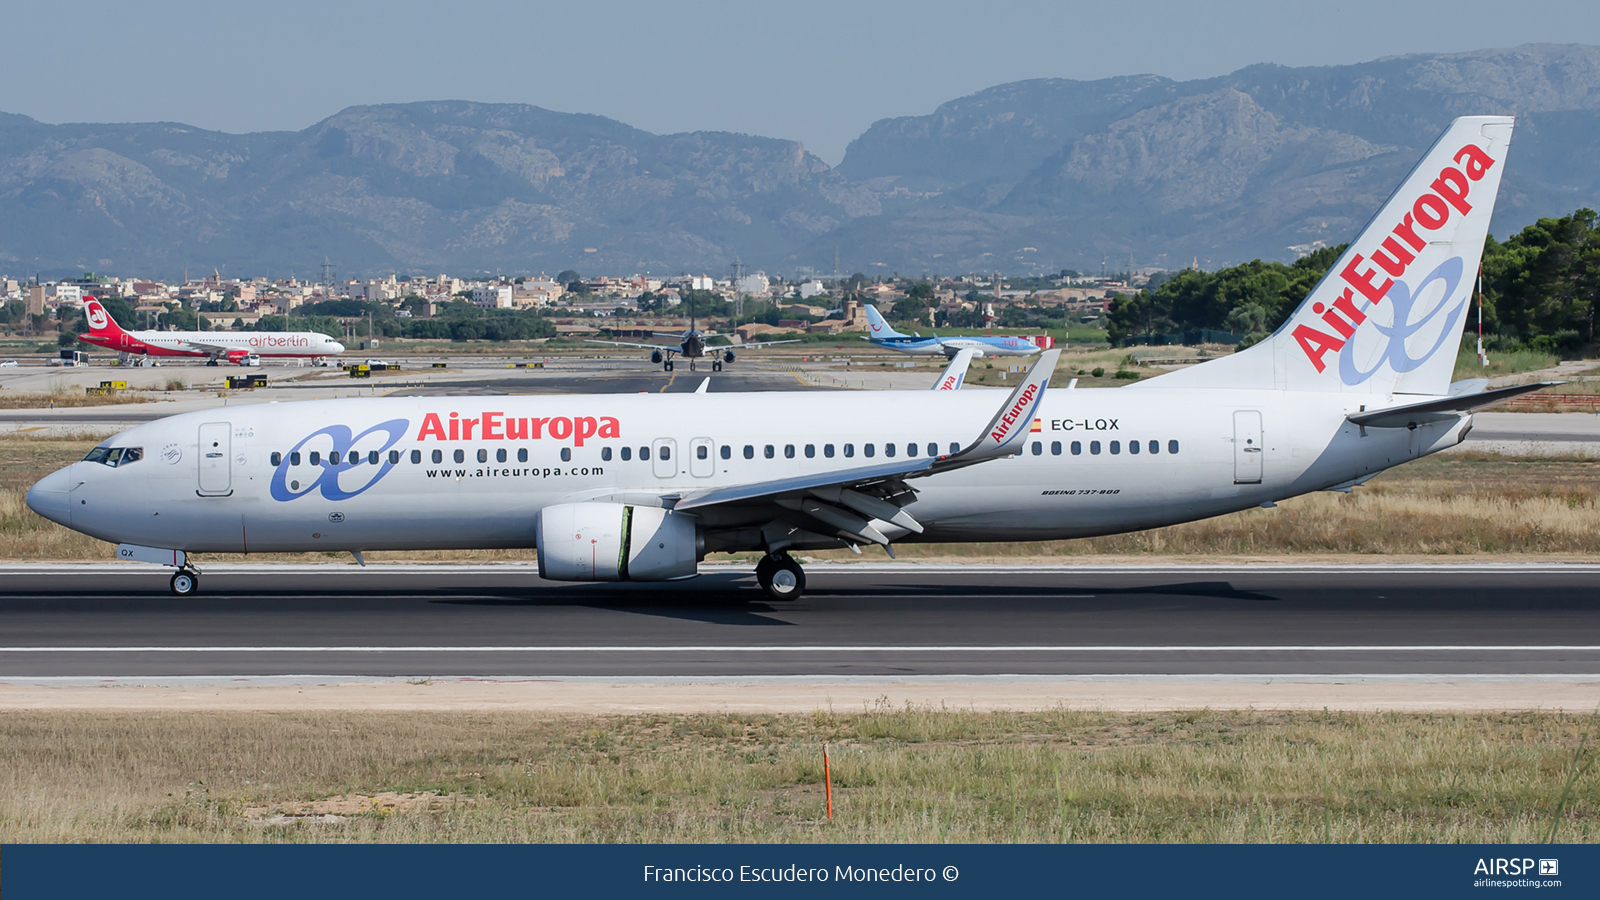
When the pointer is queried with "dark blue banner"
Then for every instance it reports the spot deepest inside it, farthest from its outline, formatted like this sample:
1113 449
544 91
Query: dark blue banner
393 872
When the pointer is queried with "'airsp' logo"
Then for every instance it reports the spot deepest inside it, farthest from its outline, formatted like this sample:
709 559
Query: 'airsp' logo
349 477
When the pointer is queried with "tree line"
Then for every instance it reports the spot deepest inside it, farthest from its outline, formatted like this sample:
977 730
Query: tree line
1540 290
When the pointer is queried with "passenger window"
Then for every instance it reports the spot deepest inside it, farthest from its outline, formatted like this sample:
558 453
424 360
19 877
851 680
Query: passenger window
1155 446
954 449
522 454
277 459
566 453
372 457
727 452
849 450
483 455
933 449
911 449
888 449
438 457
1055 448
1038 448
627 453
333 458
749 451
644 454
1077 448
1094 448
394 457
316 458
416 457
788 451
1116 447
666 453
1133 447
500 455
1172 446
868 450
702 452
811 451
460 456
294 458
605 454
353 460
827 450
768 451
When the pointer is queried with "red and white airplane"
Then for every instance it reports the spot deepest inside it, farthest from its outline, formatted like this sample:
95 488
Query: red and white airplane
238 347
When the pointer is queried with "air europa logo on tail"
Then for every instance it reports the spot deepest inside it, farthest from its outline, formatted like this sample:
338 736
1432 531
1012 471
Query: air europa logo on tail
1013 414
497 426
1430 212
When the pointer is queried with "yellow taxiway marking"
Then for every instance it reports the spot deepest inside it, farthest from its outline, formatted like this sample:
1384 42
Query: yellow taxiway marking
670 380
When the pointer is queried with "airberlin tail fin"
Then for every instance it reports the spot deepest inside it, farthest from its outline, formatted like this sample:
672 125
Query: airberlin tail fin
100 321
1388 316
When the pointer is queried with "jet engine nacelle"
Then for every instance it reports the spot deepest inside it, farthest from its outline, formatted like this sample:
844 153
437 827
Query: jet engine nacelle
615 542
655 356
727 356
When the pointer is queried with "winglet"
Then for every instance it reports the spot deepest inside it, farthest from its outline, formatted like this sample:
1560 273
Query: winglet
1008 430
956 372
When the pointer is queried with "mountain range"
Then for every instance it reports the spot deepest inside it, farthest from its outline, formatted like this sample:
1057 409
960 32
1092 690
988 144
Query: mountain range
1267 162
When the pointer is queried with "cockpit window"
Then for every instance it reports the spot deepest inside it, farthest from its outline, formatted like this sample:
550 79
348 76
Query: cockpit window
115 456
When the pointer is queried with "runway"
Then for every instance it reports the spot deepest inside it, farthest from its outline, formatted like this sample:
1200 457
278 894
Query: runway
876 620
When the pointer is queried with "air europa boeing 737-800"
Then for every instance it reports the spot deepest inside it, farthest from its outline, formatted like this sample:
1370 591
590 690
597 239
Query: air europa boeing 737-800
233 346
641 487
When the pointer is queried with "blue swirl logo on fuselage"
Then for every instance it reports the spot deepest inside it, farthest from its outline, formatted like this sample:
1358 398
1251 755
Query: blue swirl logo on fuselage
1404 298
327 473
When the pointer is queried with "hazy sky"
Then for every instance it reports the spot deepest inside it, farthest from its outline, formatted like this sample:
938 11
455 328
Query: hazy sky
817 72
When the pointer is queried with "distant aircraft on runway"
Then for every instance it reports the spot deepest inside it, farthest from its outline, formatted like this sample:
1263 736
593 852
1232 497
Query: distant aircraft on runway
641 487
884 335
238 347
691 346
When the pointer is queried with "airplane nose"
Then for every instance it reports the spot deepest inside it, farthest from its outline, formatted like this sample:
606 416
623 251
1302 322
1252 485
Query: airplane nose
49 497
337 347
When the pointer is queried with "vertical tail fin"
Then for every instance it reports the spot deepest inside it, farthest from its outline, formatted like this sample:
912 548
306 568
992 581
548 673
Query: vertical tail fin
879 326
1387 318
100 321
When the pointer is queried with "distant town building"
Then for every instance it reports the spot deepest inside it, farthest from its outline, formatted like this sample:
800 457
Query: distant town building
493 296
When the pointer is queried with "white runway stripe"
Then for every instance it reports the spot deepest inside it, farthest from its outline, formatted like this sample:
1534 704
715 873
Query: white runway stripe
844 648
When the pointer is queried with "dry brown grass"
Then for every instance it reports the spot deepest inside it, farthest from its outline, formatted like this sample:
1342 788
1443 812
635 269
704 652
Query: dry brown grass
64 400
900 775
1455 505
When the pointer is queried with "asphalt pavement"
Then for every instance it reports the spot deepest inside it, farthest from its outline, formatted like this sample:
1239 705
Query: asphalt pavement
118 620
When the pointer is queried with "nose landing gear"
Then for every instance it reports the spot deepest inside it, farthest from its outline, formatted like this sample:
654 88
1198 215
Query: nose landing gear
185 582
780 576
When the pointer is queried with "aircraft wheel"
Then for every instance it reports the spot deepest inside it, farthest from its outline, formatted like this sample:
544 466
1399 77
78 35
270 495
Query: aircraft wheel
666 366
185 583
716 366
781 577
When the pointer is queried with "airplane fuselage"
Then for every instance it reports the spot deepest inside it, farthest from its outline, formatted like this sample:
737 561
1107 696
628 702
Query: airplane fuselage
469 472
277 344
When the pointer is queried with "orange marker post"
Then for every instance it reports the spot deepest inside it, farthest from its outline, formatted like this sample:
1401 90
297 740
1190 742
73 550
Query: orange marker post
827 780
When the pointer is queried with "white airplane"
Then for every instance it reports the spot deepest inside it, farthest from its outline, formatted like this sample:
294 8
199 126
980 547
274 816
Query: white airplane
239 347
640 487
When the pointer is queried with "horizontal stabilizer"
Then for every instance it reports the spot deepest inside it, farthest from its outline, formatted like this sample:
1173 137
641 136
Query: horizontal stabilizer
1440 410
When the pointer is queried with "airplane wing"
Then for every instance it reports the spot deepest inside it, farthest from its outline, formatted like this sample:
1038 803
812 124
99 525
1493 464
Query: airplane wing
660 347
847 502
761 344
207 347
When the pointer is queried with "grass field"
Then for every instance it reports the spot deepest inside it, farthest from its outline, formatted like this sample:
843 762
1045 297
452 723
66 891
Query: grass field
899 775
1451 505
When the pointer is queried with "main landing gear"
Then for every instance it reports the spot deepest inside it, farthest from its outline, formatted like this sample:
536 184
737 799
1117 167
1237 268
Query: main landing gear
716 365
780 576
666 366
185 582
